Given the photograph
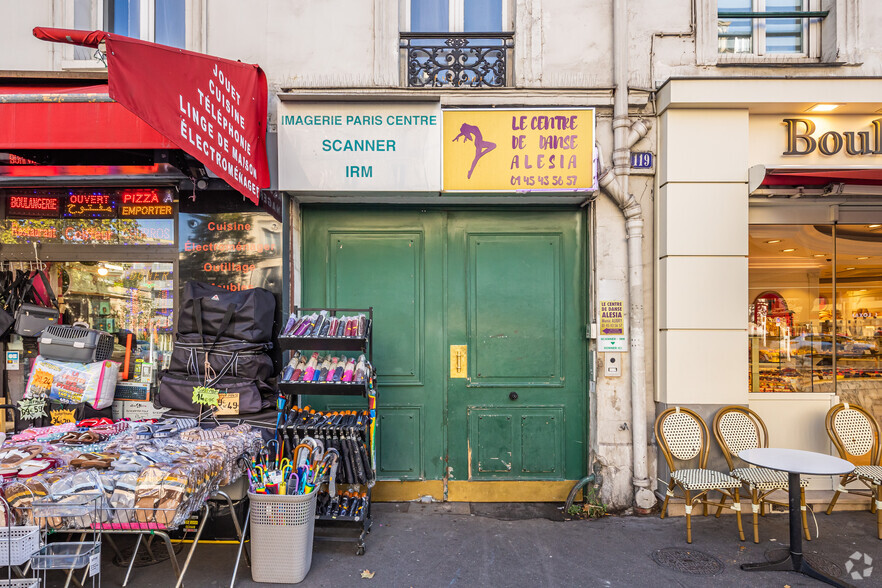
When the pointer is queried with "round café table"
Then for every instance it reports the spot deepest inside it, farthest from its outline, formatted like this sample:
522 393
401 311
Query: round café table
795 462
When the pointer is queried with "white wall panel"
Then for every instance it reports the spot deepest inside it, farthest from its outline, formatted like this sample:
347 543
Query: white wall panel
702 219
702 293
703 367
704 145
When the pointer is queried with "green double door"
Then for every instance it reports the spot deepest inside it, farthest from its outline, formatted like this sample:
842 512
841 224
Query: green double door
479 335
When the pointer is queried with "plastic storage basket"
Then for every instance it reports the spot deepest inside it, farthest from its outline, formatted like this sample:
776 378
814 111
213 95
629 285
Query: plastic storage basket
18 544
64 556
281 537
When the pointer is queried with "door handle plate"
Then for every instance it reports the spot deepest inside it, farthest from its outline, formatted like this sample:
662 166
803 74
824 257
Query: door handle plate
458 361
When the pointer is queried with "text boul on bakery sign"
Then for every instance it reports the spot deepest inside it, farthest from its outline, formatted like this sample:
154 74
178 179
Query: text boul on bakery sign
804 137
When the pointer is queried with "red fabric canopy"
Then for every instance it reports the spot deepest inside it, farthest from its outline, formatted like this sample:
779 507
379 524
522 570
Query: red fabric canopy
49 122
71 36
212 108
804 177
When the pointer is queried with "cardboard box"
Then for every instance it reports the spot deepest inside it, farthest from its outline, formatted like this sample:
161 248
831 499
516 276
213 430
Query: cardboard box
136 410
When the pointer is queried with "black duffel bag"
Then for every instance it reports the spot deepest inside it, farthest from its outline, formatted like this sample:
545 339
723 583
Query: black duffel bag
239 359
176 392
253 312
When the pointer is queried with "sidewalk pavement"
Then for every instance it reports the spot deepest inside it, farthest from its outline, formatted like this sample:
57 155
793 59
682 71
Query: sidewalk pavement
461 544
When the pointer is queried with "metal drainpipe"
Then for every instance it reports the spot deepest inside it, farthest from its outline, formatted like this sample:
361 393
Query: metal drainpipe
616 185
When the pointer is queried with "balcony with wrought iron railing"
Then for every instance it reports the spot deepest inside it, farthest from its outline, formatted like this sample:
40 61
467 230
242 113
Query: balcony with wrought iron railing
457 60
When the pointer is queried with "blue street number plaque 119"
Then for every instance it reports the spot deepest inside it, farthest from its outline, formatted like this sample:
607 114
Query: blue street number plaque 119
641 160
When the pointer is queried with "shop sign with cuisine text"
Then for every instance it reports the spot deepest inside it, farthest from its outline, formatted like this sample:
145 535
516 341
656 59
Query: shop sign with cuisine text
361 146
523 151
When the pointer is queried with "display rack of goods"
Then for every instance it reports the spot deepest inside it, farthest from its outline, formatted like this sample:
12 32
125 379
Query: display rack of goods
322 363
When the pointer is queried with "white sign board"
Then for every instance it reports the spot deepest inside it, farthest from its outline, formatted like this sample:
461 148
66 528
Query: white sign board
612 343
359 146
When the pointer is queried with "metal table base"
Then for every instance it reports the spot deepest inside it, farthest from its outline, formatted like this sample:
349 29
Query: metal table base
795 561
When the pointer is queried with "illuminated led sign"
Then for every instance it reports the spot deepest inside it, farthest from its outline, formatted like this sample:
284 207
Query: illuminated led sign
32 206
144 204
90 205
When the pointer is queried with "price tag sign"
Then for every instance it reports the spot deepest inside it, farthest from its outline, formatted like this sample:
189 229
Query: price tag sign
61 416
228 403
94 564
32 408
206 396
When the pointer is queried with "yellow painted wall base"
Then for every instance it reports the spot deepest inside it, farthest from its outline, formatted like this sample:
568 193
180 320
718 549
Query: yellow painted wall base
404 491
462 491
522 491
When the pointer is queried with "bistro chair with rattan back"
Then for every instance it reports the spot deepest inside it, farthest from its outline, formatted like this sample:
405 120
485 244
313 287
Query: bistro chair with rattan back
855 433
683 438
738 428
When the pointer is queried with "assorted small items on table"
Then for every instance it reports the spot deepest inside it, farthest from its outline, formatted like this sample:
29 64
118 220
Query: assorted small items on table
143 477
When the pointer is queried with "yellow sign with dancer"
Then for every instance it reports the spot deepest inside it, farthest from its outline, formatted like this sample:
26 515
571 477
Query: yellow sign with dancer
519 150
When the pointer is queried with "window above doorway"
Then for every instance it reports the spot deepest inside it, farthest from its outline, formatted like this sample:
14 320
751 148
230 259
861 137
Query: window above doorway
768 28
456 43
158 21
777 33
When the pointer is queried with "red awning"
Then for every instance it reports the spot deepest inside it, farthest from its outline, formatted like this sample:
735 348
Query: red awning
214 109
861 177
40 117
813 176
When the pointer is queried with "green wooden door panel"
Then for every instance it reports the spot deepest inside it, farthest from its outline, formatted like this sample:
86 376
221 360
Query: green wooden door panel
490 442
513 310
391 260
398 443
352 270
538 455
515 298
522 442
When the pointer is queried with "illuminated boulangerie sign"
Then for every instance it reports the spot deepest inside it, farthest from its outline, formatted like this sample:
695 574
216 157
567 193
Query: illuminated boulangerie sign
803 138
362 146
519 150
32 206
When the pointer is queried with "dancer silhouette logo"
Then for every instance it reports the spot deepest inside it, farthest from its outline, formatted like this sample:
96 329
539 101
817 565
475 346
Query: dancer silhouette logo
482 147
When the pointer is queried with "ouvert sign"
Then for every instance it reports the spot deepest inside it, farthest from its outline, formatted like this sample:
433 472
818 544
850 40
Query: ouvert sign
359 146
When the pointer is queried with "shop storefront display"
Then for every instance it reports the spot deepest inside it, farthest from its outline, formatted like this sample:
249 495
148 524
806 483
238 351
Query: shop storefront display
815 325
99 476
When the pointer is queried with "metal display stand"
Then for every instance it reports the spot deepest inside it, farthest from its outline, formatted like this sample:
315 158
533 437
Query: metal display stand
70 513
146 523
350 529
327 527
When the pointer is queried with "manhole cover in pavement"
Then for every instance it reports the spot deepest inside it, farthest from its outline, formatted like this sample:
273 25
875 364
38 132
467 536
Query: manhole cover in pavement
688 561
819 563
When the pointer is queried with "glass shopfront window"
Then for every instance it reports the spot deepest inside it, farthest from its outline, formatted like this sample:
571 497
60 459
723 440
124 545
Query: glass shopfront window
815 310
122 298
